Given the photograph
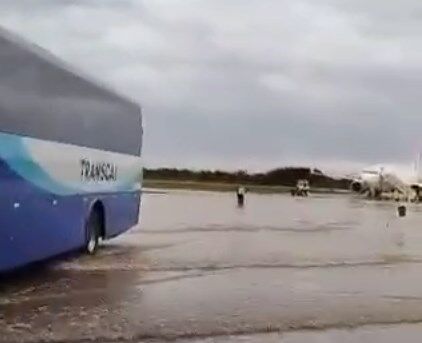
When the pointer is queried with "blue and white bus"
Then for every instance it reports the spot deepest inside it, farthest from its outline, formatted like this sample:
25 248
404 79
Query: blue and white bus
70 158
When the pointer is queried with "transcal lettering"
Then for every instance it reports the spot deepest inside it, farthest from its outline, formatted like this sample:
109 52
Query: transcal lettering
98 171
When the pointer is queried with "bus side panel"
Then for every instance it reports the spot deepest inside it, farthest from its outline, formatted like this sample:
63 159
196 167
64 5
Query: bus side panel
122 211
35 225
44 200
43 226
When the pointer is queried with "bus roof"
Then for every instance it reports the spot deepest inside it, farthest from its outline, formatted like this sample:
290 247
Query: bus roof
41 97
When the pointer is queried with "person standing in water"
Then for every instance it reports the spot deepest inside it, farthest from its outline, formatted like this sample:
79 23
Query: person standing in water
395 226
240 193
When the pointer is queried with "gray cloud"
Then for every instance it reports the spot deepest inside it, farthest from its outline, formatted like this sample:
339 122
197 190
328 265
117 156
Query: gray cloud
249 84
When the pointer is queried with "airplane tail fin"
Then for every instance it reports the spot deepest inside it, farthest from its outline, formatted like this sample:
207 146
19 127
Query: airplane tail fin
418 167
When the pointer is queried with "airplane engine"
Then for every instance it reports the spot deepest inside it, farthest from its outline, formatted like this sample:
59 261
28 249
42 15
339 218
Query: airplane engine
356 186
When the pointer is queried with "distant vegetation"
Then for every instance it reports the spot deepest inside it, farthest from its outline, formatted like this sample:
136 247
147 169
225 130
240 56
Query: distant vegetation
277 177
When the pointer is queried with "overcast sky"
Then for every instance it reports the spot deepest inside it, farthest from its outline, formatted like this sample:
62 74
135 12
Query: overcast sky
249 84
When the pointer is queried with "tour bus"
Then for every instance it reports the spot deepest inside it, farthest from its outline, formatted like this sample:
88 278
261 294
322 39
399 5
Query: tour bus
70 158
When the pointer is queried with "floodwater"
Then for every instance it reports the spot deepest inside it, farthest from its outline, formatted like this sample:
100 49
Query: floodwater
200 269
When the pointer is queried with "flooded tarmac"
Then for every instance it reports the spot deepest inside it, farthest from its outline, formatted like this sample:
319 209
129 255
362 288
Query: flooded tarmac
200 269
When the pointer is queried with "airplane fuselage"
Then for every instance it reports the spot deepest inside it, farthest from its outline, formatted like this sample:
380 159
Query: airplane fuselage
376 180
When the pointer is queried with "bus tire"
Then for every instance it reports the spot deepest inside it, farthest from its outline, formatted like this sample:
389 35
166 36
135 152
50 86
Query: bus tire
93 229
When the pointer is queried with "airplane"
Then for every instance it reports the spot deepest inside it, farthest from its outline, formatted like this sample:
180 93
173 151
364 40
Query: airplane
380 180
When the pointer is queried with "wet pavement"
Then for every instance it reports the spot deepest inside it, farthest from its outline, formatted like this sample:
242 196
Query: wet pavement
199 269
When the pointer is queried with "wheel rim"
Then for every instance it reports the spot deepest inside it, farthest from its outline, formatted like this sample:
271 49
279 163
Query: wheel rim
91 244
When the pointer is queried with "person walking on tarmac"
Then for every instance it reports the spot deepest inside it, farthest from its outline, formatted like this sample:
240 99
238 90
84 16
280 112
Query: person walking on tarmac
240 193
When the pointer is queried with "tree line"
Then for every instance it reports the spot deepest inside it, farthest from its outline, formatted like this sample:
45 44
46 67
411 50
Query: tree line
287 176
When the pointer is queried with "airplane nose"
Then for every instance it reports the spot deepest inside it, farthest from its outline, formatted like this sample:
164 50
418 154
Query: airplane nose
356 186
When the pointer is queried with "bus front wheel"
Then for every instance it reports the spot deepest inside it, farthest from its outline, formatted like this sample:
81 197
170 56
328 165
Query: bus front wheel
93 229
